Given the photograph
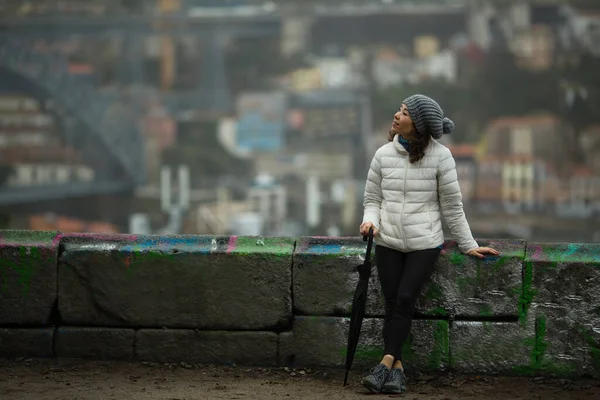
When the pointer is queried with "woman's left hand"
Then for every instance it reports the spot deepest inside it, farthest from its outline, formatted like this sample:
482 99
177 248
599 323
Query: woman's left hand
480 251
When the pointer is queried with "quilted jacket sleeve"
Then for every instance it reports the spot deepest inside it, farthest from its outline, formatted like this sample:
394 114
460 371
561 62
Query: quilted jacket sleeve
373 196
451 204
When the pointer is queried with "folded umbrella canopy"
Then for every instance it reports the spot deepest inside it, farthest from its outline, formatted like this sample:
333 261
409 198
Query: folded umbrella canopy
359 302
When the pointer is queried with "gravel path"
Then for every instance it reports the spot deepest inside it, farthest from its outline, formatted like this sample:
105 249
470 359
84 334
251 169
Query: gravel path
76 379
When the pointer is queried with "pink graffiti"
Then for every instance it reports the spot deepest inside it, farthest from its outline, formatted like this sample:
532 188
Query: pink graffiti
232 243
538 252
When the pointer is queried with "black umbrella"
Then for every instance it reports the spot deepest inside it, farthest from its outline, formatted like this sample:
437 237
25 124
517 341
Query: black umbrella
359 303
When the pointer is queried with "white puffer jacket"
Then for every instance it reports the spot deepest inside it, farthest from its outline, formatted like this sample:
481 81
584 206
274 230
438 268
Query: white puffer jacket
405 201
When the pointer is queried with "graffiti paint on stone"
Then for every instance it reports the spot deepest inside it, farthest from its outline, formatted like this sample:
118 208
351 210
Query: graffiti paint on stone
27 276
179 282
535 309
561 298
325 275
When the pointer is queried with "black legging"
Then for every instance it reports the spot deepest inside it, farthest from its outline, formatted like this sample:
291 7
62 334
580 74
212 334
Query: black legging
402 276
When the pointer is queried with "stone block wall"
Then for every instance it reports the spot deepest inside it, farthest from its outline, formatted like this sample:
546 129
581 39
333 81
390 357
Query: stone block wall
273 301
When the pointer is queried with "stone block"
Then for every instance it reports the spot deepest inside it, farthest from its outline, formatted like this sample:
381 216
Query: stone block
464 286
207 347
566 343
322 341
177 282
285 349
564 274
23 342
95 343
27 277
490 347
325 278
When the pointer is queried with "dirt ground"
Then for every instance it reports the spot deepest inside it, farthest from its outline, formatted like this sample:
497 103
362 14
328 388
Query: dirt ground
76 379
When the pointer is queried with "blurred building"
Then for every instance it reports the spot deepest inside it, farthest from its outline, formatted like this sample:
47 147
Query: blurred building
544 137
466 168
51 222
581 199
32 146
488 192
583 29
534 48
268 199
523 184
533 159
590 143
261 121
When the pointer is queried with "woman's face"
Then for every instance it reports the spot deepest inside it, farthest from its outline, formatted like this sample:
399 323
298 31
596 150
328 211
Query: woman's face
402 125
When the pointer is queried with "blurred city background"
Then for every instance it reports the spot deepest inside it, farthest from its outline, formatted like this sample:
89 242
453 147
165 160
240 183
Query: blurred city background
256 117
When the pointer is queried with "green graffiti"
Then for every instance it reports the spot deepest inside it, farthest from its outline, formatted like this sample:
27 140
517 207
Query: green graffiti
272 247
538 363
458 259
23 253
574 252
485 311
438 311
464 283
441 348
368 353
364 353
29 258
434 292
136 259
540 341
501 262
593 347
538 346
527 293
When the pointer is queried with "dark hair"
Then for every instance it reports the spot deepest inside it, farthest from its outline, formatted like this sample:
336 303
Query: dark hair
418 146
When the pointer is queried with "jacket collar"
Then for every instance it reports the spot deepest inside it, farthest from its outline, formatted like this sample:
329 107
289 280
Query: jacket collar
398 145
403 150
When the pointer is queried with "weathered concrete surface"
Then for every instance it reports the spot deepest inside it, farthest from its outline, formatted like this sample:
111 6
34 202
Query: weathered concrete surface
27 277
566 344
207 347
565 274
325 278
178 281
23 342
239 291
95 343
464 286
490 347
561 293
322 341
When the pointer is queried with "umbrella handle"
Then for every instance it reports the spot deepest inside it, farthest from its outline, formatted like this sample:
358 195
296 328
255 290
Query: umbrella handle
369 241
370 236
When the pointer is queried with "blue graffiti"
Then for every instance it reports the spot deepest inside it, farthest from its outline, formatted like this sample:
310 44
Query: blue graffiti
325 248
571 249
490 259
196 244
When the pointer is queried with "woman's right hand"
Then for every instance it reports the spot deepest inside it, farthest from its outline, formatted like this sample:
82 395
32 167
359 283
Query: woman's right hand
364 229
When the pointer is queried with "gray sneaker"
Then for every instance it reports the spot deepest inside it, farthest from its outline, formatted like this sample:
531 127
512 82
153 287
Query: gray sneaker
395 383
376 378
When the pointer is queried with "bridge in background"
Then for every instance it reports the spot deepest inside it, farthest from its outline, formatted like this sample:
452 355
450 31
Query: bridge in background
89 119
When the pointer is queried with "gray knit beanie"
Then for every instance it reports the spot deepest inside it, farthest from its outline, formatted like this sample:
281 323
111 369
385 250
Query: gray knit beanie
428 116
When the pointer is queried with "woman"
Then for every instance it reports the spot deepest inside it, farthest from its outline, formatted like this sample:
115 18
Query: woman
411 183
